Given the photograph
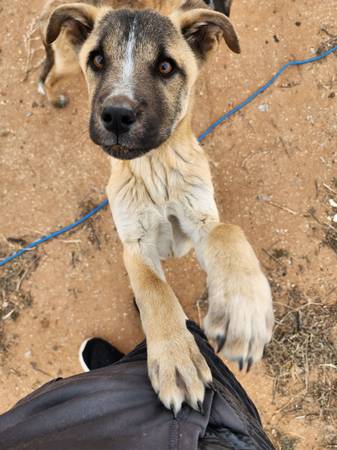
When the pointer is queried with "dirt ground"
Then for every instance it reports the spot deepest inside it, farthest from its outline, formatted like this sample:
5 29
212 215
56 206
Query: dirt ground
275 172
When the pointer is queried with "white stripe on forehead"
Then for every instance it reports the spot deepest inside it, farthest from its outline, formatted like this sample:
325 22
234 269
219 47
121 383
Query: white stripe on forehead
128 62
125 84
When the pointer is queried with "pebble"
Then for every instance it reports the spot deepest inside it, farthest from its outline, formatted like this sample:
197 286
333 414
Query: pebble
4 133
264 107
263 198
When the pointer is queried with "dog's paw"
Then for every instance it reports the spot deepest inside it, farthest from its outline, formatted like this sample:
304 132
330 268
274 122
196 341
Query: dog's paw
41 88
240 318
178 372
61 102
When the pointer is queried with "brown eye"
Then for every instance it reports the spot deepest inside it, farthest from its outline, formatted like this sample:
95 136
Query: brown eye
166 68
97 61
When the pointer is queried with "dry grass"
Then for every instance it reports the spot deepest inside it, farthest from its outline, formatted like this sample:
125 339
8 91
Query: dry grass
91 225
331 239
13 298
282 441
303 354
328 44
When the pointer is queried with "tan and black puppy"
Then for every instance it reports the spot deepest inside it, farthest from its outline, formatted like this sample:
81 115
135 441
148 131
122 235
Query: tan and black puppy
141 68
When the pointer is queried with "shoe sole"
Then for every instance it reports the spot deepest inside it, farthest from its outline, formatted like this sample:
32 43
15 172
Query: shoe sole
80 355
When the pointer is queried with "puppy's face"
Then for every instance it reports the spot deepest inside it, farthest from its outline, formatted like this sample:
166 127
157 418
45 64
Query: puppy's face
140 71
140 68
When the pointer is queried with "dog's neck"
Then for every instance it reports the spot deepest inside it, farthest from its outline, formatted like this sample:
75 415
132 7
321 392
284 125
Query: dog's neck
176 150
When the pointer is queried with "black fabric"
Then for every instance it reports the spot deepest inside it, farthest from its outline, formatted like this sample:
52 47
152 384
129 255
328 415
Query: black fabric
98 353
116 408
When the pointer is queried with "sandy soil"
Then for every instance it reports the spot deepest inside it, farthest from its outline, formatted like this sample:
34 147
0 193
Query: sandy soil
274 166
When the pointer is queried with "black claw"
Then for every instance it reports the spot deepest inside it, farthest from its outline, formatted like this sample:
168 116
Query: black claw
220 340
172 408
241 364
201 408
249 364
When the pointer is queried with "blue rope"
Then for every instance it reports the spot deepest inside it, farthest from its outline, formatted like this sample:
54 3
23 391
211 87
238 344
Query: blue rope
262 89
203 136
55 234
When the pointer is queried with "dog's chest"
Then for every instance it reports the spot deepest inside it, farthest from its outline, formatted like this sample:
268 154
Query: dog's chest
158 180
152 198
144 206
170 238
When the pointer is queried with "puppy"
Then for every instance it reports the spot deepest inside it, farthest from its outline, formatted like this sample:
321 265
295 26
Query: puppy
141 68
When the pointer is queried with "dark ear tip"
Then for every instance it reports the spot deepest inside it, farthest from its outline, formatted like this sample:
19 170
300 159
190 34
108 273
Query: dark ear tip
237 49
49 39
234 45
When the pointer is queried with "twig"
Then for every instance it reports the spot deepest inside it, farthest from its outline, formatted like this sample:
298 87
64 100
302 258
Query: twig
284 208
329 189
330 366
35 367
271 256
7 316
330 292
328 33
292 310
323 224
18 286
284 146
317 188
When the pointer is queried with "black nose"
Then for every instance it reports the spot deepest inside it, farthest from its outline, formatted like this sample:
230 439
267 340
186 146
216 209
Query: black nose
117 119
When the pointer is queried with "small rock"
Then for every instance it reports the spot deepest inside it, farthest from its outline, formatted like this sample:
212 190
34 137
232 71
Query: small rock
263 108
5 133
29 114
332 203
263 198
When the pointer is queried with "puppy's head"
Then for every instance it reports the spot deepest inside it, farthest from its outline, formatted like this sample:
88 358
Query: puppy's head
140 68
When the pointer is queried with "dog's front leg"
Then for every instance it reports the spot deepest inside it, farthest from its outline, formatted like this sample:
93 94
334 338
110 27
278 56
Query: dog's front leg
177 370
240 315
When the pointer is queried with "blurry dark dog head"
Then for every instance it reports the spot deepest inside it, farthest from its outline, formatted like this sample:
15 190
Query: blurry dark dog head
141 67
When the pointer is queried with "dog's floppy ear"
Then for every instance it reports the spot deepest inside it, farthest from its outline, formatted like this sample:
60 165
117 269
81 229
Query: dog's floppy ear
223 6
203 28
79 19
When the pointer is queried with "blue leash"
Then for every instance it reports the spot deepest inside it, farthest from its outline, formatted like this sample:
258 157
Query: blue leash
203 136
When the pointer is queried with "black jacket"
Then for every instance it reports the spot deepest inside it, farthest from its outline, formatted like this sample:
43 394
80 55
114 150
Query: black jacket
116 408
